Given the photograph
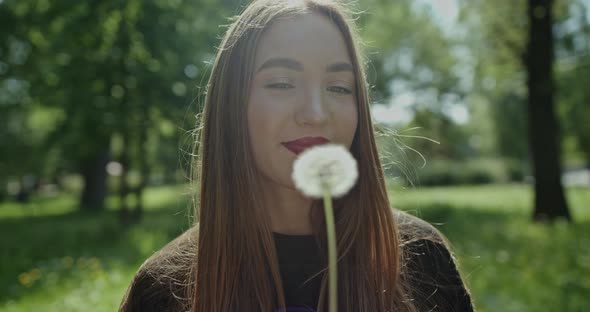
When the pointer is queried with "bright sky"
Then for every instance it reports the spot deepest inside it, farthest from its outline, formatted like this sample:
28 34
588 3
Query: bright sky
399 110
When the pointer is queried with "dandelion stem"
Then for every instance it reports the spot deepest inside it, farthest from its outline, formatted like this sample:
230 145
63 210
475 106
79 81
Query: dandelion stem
332 263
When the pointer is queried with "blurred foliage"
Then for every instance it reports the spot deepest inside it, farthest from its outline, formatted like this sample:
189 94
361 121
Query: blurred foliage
497 39
75 77
408 51
573 73
471 172
81 80
488 48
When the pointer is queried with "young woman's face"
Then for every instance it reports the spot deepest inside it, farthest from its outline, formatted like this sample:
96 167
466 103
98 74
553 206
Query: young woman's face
303 87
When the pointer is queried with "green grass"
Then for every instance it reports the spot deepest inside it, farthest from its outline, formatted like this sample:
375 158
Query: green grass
56 259
509 263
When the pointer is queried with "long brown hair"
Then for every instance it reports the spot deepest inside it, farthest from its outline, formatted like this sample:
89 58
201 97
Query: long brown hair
236 266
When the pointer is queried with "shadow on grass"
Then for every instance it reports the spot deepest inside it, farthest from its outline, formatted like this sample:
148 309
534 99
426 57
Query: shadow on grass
56 243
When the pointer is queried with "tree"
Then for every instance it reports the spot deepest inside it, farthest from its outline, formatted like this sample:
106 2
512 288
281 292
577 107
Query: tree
112 69
524 37
573 76
550 200
408 51
410 54
496 41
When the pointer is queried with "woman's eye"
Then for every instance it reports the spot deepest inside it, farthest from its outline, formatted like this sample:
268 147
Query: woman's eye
279 85
339 90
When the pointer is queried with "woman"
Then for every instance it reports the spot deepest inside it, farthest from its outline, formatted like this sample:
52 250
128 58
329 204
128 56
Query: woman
288 75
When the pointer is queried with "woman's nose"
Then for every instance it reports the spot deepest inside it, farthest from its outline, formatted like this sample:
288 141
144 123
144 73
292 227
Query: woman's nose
313 110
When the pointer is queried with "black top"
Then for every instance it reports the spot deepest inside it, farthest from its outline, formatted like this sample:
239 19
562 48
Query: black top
299 259
431 272
434 276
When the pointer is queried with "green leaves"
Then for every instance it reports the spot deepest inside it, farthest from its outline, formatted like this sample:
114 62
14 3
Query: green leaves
84 60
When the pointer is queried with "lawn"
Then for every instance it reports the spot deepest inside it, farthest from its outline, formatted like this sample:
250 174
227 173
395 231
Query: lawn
510 263
56 259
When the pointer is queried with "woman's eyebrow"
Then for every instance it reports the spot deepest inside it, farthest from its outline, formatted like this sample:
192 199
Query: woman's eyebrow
281 62
292 64
339 67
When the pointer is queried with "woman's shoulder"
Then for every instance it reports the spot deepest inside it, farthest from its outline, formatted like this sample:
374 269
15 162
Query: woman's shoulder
163 280
412 228
429 266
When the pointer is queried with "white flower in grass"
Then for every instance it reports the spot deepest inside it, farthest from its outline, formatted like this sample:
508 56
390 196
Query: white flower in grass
328 167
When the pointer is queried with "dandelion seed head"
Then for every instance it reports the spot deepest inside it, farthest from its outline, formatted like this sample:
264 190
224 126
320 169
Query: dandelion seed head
328 166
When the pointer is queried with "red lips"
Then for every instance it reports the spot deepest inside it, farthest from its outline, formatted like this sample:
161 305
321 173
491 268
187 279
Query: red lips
301 144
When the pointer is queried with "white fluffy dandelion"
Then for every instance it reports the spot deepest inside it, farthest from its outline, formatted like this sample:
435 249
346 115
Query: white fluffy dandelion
328 167
327 171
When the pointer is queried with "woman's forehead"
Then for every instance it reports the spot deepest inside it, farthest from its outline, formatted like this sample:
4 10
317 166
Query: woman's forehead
307 38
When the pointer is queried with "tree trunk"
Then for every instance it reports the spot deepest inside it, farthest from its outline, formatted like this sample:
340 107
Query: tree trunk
124 159
550 202
123 181
143 123
95 181
585 147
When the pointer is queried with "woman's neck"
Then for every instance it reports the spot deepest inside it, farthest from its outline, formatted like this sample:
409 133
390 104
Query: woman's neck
289 210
